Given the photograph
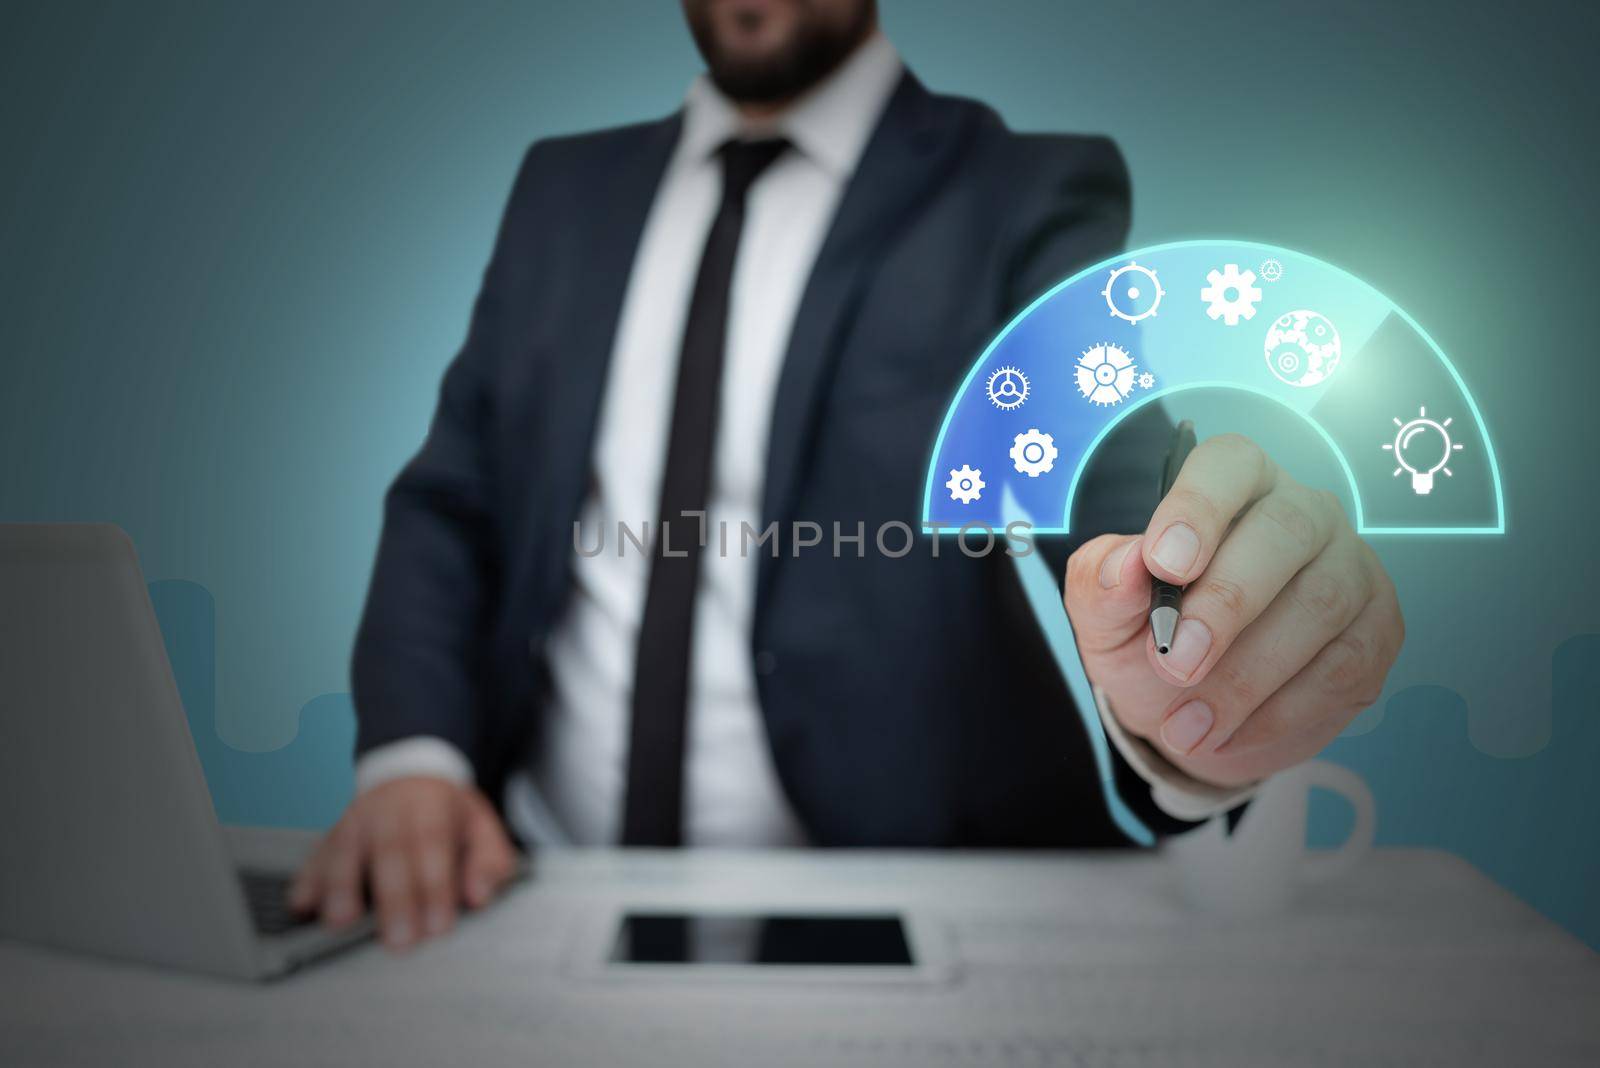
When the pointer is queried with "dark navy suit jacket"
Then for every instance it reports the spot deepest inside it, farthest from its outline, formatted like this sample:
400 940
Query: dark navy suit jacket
909 702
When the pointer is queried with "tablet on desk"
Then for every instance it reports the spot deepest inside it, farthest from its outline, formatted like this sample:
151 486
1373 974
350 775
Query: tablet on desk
671 944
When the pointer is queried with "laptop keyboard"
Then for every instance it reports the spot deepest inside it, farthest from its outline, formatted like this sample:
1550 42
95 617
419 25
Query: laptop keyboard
267 894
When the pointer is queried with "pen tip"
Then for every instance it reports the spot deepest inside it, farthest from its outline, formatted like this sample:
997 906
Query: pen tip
1163 625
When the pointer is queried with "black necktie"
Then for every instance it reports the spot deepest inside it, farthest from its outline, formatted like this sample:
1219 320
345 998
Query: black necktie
653 809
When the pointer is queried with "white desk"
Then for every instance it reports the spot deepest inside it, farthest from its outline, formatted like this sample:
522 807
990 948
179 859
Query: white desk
1414 959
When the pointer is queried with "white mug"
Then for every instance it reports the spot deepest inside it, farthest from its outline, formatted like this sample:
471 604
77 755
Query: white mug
1255 869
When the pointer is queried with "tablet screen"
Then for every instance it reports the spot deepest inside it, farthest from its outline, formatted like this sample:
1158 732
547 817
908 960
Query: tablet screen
788 939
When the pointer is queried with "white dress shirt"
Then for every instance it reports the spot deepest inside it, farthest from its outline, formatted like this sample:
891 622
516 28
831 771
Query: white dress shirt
732 794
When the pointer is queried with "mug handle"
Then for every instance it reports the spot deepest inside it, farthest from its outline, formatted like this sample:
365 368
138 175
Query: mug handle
1320 866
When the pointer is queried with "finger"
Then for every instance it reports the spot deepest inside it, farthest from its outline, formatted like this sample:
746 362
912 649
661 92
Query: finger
1314 609
340 870
489 858
305 893
1310 710
1272 541
1107 592
434 855
1218 481
392 880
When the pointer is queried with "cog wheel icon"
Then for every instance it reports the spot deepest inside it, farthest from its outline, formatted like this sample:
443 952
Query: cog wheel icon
1105 374
1133 292
1271 270
1232 294
1033 453
1008 388
1302 348
965 484
1147 380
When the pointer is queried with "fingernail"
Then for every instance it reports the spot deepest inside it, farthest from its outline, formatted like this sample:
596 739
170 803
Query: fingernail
1190 644
438 921
397 933
1177 549
1111 566
1184 728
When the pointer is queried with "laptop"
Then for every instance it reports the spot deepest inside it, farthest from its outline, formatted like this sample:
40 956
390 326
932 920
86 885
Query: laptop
108 840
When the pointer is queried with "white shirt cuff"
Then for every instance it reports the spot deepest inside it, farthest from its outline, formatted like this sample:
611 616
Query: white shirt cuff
421 755
1179 795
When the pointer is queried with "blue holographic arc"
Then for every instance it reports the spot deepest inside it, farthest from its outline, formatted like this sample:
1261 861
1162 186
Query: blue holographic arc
1279 324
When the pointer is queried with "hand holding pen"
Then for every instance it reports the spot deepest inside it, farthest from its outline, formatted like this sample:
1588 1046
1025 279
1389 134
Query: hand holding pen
1245 627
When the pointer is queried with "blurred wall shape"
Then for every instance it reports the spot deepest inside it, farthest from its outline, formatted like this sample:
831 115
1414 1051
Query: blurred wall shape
305 783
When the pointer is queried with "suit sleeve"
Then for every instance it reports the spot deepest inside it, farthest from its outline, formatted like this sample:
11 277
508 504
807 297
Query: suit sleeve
1079 213
421 649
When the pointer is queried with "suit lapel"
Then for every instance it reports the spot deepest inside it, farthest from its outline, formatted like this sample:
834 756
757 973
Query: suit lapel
906 158
613 221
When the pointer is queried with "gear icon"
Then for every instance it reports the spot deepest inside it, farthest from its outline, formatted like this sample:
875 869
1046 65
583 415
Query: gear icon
1302 348
1133 292
1271 270
966 484
1147 380
1034 452
1105 374
1008 388
1232 294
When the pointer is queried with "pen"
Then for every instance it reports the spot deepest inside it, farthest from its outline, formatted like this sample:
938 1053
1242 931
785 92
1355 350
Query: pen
1166 599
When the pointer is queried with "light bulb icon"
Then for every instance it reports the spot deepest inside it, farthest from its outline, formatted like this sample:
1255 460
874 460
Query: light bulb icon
1422 446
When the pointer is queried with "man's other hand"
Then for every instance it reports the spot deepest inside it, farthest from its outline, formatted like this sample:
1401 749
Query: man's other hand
1289 624
423 846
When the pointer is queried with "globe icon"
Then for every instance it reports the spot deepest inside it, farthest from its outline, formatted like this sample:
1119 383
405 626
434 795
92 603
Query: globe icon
1302 348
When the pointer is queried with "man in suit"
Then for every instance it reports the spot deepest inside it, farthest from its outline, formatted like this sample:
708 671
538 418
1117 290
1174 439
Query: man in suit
747 318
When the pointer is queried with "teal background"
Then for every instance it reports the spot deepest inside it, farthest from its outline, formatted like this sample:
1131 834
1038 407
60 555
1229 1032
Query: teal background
238 242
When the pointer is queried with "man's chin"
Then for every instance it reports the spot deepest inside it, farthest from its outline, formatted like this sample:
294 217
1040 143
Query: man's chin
763 80
777 60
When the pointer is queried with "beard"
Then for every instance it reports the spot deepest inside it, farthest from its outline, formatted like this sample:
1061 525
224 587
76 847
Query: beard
809 55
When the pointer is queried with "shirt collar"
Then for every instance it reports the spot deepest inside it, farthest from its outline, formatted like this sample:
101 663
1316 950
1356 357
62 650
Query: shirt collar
829 123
